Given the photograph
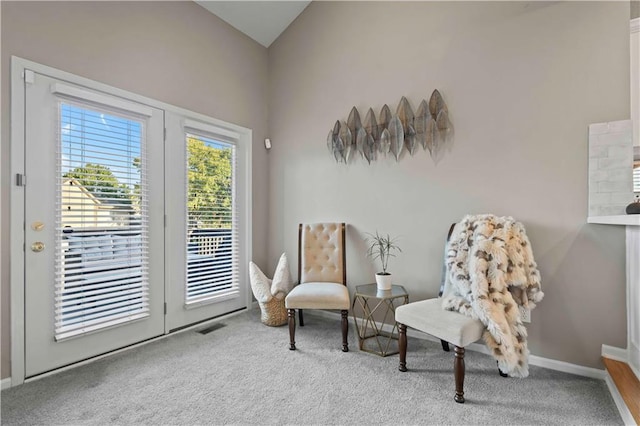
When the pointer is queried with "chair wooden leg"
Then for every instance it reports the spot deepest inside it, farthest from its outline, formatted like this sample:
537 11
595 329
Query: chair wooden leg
458 372
291 314
345 330
445 345
402 346
301 317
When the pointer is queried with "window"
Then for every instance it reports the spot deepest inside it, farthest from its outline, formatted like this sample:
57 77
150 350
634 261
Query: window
212 225
101 235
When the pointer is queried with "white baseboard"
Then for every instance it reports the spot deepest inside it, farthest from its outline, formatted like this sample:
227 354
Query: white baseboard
627 418
538 361
567 367
635 370
622 355
617 354
5 383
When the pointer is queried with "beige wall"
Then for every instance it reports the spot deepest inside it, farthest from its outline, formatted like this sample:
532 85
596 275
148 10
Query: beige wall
174 52
522 82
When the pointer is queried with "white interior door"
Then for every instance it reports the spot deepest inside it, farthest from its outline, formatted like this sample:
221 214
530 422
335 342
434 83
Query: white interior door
206 223
94 231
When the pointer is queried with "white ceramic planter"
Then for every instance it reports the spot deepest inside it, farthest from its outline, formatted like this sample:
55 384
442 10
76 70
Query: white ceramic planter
383 281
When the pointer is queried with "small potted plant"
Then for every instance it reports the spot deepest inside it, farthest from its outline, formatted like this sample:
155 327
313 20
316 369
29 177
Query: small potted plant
382 247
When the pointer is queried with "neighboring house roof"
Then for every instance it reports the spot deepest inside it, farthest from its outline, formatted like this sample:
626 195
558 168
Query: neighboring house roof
82 188
104 204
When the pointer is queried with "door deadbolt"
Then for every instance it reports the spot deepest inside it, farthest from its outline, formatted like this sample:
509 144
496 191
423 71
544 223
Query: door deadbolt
37 246
37 226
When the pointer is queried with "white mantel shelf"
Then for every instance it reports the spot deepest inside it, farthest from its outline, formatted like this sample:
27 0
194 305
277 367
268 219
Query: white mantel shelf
623 219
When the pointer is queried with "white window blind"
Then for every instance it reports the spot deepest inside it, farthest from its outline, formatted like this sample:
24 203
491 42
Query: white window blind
102 220
636 177
212 226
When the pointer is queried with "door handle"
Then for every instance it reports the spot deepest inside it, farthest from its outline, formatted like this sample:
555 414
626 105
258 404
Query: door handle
37 247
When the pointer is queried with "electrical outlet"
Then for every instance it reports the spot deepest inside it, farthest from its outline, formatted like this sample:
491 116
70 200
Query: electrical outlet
525 314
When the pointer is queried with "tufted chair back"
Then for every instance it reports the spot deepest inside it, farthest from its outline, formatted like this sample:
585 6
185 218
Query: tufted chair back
321 253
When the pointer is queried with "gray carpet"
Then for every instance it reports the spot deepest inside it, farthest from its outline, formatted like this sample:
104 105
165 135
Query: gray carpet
243 373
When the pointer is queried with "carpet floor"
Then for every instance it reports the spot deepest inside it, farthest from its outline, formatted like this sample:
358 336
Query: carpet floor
244 373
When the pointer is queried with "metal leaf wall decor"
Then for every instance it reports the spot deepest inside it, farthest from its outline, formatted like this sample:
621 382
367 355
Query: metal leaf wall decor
396 134
392 134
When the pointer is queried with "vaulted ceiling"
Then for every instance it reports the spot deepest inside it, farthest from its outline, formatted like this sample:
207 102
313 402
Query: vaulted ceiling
263 21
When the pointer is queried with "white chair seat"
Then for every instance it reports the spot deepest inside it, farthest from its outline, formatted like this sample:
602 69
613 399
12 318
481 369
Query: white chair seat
318 295
429 317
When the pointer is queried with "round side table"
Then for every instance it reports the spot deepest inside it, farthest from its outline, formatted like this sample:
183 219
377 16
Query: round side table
375 337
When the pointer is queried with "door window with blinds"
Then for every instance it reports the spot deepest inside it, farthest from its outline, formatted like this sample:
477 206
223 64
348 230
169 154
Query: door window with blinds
212 226
101 238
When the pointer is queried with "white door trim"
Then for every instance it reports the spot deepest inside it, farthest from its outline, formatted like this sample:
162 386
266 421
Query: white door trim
16 228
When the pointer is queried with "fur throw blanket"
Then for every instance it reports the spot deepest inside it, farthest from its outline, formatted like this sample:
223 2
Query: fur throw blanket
490 272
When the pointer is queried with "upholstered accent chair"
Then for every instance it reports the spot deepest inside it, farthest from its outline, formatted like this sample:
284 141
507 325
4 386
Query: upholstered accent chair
428 317
322 276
